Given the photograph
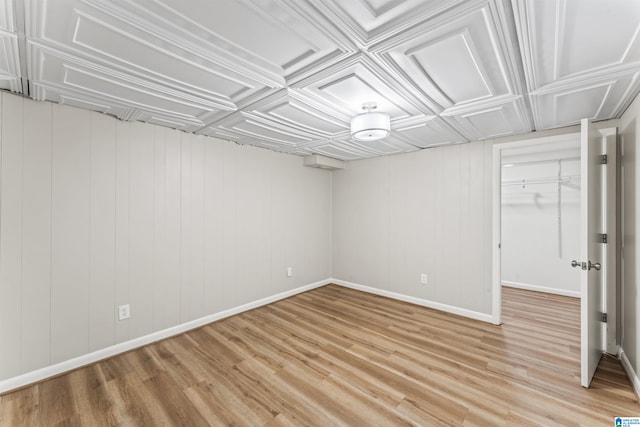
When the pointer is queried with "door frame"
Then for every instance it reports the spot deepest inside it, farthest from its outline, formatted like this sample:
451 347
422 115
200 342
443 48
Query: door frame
609 131
526 141
610 206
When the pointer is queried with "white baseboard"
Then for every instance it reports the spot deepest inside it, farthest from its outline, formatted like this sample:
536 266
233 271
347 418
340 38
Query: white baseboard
633 376
86 359
528 287
418 301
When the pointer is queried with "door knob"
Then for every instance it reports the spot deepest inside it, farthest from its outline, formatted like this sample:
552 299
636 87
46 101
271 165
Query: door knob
575 263
595 266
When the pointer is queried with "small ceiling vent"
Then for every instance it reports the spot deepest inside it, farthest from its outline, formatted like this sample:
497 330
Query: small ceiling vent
322 162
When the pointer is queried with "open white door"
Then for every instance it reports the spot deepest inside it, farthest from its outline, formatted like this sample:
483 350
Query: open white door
610 264
591 250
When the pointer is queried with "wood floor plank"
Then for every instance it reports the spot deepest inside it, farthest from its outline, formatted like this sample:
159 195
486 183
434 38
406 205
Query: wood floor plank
336 356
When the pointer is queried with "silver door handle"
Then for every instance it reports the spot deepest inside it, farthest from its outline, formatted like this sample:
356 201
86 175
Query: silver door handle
575 263
595 266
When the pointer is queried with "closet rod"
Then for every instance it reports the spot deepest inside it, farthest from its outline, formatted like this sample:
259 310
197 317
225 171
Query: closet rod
538 162
524 182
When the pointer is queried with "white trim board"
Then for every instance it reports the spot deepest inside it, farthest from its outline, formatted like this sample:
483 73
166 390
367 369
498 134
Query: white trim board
529 287
418 301
89 358
633 377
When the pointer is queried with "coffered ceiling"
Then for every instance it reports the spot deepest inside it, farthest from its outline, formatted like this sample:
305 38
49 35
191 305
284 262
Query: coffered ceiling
288 75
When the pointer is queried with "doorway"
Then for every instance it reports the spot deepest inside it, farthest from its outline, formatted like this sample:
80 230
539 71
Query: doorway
540 216
526 153
594 147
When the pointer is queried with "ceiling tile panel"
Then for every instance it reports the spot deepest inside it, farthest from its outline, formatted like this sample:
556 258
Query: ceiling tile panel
207 79
390 145
65 74
343 151
9 62
291 108
453 64
427 132
251 128
459 58
597 100
590 28
7 16
581 58
368 21
112 39
345 86
492 121
260 38
565 39
86 104
344 148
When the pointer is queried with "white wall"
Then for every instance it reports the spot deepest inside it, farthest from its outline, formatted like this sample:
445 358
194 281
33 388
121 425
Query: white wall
396 217
96 212
630 139
541 229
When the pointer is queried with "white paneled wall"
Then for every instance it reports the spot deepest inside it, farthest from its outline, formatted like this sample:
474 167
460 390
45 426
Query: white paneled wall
95 212
397 217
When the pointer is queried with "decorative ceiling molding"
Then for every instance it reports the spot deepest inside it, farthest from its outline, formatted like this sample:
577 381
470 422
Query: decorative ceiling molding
366 22
581 59
345 86
10 72
289 75
425 132
9 62
459 60
7 16
597 99
492 121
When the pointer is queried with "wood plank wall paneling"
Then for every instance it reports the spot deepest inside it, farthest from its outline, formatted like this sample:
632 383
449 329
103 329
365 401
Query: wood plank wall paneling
96 213
169 264
141 238
196 234
185 228
213 210
162 304
254 237
10 234
229 236
335 356
123 177
103 233
36 233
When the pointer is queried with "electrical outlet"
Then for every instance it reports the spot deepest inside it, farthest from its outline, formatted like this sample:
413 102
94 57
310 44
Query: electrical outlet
289 271
123 312
423 279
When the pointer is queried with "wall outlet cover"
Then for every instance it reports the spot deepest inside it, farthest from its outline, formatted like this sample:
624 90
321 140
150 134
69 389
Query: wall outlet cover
123 312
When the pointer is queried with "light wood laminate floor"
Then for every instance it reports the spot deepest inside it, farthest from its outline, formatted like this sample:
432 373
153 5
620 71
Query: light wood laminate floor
335 356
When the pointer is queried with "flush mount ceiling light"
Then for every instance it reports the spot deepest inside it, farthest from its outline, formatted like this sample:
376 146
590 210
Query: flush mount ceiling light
370 126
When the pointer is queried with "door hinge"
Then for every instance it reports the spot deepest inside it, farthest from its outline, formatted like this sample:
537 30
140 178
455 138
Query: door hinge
604 159
603 318
604 237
